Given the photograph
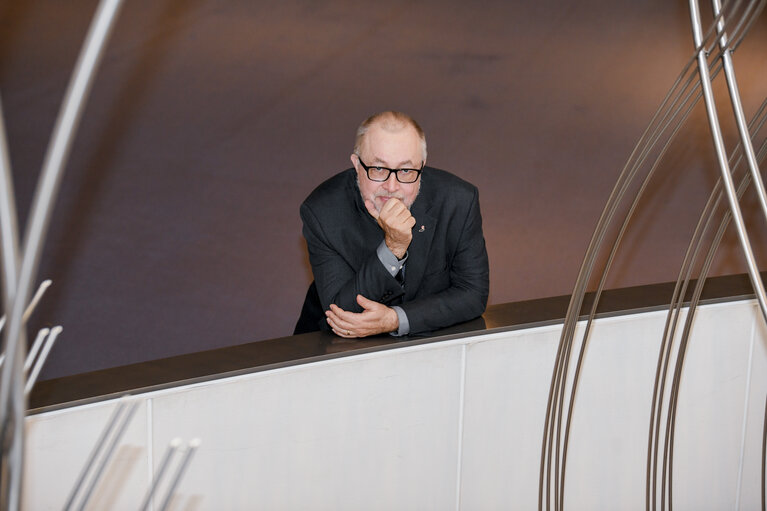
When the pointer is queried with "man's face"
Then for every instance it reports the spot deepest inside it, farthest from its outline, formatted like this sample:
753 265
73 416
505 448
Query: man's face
395 150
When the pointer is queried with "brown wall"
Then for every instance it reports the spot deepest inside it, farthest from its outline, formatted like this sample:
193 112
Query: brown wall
177 227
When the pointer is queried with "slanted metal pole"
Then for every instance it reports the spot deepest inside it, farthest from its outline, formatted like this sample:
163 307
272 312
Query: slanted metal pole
12 398
737 108
724 167
10 453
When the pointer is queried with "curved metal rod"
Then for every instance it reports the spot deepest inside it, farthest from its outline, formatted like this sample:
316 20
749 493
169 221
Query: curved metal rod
39 340
12 381
162 468
108 452
32 304
668 456
675 306
737 108
719 17
667 342
556 382
576 301
606 270
556 390
652 439
664 354
735 212
616 245
759 9
568 329
717 190
55 331
764 454
183 465
96 452
600 288
9 260
671 420
9 237
729 186
655 404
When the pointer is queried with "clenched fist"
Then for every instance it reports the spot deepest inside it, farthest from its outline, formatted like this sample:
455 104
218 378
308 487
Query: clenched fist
397 224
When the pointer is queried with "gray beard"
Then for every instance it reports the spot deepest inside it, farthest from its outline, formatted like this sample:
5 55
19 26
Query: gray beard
359 190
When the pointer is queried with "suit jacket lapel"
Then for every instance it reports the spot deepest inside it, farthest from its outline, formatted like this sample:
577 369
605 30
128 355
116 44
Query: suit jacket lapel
423 234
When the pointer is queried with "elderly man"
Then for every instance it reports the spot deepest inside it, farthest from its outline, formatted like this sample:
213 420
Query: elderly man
395 246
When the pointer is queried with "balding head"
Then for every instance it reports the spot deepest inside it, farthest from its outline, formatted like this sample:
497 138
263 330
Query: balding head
390 121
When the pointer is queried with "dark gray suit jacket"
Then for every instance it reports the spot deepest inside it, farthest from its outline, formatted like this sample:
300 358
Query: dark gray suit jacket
446 274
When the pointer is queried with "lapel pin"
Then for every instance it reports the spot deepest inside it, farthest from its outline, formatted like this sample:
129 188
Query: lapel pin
423 228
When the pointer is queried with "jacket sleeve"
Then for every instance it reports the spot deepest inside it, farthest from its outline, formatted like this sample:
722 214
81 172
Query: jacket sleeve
337 279
466 296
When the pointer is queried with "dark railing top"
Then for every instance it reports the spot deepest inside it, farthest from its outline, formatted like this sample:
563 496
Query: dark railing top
287 351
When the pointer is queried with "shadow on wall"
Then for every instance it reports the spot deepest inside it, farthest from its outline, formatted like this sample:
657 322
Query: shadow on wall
127 100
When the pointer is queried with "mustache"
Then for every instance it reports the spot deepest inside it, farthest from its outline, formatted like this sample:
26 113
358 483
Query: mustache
382 193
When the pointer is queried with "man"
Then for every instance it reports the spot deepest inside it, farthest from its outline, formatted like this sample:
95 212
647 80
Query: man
395 246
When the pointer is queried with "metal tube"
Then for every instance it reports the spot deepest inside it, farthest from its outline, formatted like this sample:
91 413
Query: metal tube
41 335
9 238
41 360
9 260
99 471
737 108
559 378
739 38
724 167
12 383
44 285
671 420
96 452
162 468
193 445
31 307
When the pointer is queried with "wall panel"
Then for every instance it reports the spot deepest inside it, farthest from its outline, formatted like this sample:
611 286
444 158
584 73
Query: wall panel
455 424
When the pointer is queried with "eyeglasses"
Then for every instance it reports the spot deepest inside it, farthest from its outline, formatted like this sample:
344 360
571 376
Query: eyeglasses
376 173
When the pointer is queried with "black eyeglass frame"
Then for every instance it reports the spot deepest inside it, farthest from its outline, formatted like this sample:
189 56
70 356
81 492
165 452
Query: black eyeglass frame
396 172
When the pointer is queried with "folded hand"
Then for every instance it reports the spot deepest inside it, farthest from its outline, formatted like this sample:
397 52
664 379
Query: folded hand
375 318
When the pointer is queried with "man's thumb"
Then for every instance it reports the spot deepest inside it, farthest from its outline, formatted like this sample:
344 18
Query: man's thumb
365 303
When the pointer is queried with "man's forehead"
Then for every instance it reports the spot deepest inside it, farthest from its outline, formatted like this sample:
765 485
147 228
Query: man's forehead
392 146
383 161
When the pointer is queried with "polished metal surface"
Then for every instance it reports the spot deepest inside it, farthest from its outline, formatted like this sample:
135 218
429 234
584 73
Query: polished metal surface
716 133
20 373
17 288
101 455
175 479
162 468
712 54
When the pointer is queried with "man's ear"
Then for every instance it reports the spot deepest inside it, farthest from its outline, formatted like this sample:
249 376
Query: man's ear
354 158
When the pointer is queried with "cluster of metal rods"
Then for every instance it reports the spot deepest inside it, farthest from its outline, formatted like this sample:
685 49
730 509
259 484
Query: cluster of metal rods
41 346
19 267
104 449
713 53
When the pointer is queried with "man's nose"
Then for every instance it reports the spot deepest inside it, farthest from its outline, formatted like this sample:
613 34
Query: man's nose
391 184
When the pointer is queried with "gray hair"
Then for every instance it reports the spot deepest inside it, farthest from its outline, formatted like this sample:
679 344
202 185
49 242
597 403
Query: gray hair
390 121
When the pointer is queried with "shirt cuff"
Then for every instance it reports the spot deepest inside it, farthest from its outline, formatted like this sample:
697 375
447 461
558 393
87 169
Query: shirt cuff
389 260
404 324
